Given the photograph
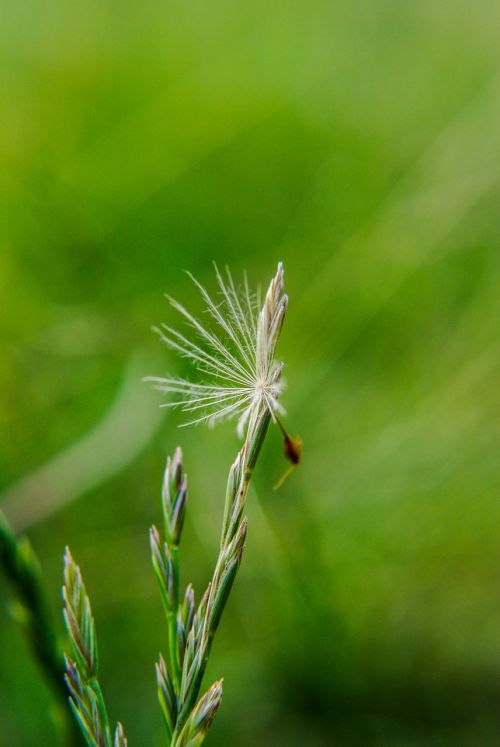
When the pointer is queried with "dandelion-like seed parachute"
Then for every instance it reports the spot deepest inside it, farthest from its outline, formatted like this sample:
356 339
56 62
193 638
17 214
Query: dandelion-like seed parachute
237 355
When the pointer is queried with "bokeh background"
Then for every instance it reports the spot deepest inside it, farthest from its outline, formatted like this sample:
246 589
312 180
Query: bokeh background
360 144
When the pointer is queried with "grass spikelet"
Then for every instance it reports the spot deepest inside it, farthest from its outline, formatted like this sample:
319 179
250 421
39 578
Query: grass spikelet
86 697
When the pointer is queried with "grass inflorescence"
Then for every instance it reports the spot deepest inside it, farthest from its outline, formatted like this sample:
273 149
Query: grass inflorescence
247 388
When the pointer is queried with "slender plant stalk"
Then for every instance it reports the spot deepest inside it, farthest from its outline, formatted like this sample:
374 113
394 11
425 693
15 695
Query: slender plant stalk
22 568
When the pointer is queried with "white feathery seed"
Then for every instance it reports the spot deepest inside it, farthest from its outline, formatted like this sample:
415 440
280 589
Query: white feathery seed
237 355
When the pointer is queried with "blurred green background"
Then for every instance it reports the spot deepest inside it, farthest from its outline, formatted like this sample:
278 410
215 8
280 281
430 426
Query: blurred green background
360 144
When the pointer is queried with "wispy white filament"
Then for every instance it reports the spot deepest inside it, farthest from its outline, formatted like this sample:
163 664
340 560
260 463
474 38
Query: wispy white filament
236 356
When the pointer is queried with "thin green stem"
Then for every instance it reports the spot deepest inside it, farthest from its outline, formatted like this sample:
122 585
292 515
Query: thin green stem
22 569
